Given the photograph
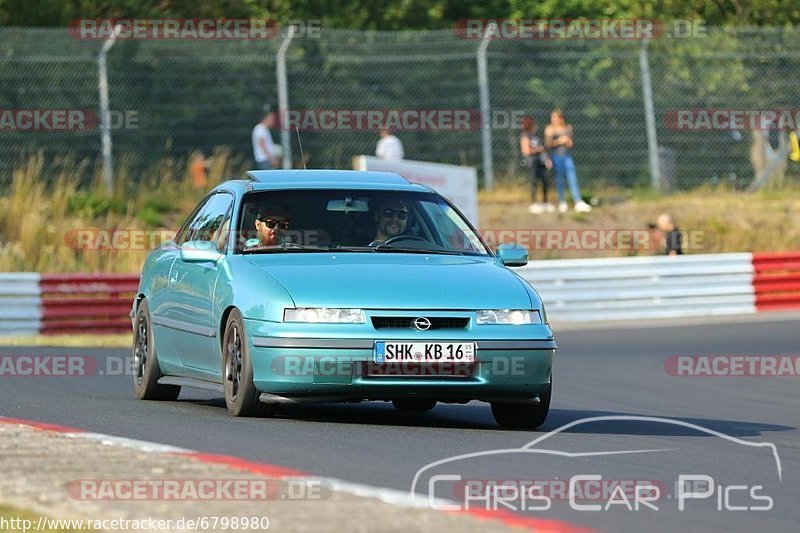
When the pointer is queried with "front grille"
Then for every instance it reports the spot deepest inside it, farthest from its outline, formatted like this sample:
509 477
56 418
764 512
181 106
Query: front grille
407 322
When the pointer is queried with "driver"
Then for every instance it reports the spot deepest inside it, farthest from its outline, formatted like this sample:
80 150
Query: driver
391 219
271 224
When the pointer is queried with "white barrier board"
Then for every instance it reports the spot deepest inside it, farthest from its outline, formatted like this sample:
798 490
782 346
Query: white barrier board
457 184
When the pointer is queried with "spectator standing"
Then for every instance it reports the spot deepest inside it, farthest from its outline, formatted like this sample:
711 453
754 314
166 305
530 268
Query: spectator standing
198 169
558 140
538 164
389 147
264 150
673 241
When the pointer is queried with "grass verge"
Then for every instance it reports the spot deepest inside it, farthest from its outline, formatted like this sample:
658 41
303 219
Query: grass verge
70 341
722 220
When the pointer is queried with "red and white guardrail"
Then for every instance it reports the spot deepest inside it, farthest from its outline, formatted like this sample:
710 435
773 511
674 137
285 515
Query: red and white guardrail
32 303
573 290
777 280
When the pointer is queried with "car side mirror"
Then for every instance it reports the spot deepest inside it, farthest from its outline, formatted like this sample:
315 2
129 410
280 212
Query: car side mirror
512 255
200 252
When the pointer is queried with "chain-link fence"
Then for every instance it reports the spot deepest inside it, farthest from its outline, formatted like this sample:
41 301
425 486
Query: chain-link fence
205 95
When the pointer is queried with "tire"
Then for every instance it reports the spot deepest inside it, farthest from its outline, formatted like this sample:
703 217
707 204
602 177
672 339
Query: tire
241 395
414 405
523 416
146 371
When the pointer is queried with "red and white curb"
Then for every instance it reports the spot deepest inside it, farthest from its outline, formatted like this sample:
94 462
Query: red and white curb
388 496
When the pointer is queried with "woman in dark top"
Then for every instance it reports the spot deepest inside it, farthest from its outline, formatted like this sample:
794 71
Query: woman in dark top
538 164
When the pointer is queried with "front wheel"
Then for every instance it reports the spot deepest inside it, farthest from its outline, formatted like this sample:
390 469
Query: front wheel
523 416
241 396
146 371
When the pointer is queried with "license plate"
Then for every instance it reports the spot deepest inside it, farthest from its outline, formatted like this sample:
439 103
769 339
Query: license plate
424 352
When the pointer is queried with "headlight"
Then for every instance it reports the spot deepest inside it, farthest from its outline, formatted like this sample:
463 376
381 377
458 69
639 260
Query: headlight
508 316
324 314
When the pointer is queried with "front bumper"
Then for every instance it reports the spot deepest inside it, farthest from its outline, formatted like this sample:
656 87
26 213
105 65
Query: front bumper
316 362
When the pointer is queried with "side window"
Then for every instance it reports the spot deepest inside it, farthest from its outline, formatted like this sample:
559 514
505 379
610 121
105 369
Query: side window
191 222
453 231
212 218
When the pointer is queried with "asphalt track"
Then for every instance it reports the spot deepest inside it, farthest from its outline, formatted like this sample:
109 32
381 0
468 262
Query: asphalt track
614 371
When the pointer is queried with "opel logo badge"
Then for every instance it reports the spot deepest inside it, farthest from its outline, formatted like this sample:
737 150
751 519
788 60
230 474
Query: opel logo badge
422 323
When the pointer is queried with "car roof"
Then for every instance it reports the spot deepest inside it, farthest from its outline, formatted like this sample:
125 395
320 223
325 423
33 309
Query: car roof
264 180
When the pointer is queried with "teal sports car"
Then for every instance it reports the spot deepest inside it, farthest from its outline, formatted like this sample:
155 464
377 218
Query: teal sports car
294 286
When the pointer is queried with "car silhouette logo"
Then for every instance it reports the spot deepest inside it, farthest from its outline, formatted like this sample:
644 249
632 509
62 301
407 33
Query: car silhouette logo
422 323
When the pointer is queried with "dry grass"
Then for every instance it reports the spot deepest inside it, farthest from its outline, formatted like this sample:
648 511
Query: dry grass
38 222
722 220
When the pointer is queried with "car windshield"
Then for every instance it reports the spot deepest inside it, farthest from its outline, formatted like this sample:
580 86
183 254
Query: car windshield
353 221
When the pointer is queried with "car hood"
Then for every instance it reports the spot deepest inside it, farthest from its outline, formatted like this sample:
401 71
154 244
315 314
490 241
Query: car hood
394 281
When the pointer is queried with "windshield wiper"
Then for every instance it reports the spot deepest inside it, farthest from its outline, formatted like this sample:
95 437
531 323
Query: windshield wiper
286 247
383 247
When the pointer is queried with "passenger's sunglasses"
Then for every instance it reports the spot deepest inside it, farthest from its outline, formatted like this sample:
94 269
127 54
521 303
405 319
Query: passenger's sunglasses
396 213
271 223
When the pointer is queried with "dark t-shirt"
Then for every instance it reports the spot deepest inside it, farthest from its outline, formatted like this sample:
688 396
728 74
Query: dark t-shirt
674 242
535 141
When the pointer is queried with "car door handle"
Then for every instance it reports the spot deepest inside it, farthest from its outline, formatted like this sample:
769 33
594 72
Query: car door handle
173 278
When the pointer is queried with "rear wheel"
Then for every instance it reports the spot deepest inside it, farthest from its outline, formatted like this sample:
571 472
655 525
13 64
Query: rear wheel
525 415
146 371
241 395
414 405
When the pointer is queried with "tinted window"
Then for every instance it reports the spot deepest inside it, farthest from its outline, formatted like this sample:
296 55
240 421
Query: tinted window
206 226
191 221
339 219
208 221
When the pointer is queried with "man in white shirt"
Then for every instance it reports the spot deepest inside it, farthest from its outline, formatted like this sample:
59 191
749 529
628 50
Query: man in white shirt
389 147
264 151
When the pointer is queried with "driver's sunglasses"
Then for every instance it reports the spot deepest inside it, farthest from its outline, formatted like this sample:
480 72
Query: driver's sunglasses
271 223
399 214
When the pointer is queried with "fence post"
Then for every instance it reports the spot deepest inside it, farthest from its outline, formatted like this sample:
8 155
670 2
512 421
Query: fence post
486 121
283 98
650 116
105 114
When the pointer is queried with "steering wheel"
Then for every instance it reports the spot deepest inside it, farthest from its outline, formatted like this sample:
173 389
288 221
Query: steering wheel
396 238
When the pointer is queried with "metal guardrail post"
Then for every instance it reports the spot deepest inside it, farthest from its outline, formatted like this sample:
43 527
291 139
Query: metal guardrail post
105 114
486 122
283 96
650 116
